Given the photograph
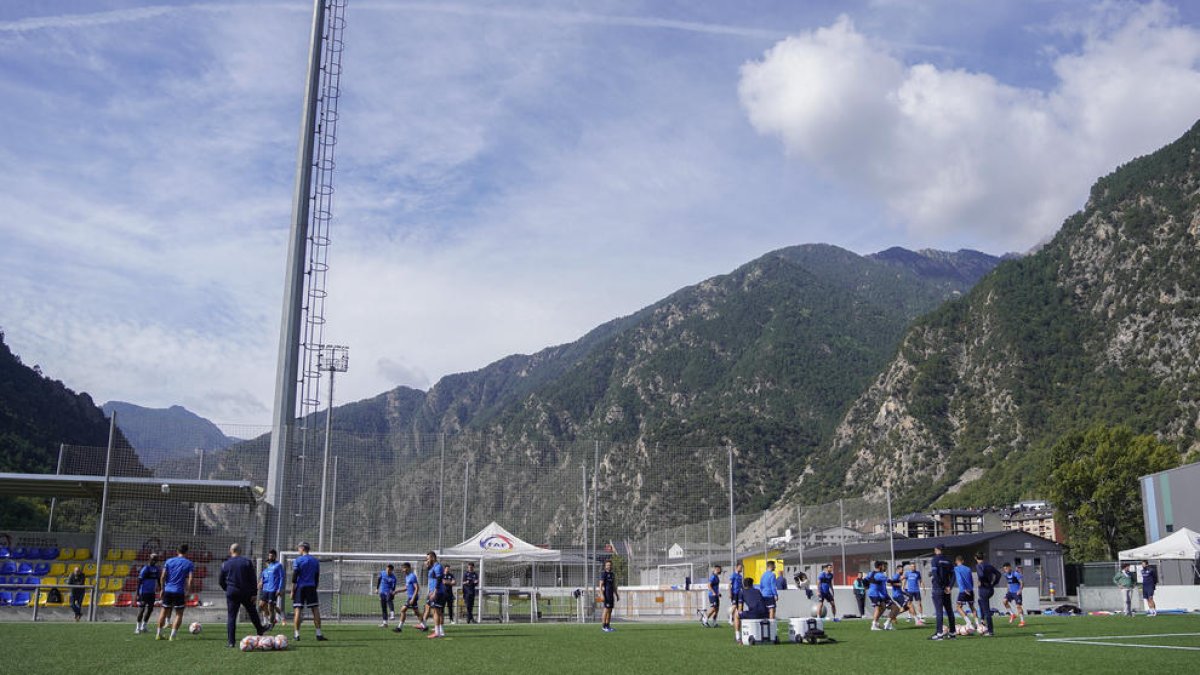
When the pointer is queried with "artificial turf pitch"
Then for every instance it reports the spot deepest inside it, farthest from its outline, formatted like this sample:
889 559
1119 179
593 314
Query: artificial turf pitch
633 648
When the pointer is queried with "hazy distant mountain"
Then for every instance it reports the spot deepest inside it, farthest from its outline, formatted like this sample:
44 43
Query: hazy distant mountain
159 434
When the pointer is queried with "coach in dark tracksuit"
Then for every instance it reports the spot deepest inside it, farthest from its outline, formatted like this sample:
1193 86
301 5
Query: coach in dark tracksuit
240 583
941 580
989 576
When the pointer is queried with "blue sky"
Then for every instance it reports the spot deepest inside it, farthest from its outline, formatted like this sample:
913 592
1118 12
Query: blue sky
511 174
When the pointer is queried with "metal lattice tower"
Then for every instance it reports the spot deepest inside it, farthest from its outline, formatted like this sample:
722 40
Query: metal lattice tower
302 330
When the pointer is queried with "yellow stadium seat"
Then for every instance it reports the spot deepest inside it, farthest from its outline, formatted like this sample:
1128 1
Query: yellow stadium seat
106 570
44 601
108 599
87 599
58 570
90 569
49 581
121 571
66 554
83 553
114 584
113 554
128 555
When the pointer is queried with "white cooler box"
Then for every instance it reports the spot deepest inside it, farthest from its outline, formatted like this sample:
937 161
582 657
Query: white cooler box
759 632
806 630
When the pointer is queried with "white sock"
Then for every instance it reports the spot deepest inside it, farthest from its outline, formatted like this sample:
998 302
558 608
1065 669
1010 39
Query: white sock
318 631
174 631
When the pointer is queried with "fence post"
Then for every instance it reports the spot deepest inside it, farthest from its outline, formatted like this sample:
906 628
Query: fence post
732 518
54 500
891 531
842 535
441 489
99 552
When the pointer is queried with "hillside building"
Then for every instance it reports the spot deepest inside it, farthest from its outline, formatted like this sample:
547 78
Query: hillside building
1170 501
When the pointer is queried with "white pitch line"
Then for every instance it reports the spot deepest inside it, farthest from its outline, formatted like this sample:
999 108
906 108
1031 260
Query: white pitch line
1093 641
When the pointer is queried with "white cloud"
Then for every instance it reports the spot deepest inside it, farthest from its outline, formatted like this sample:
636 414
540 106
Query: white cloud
958 154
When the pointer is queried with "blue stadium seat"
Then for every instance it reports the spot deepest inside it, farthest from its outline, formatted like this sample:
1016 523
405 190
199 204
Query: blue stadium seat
19 553
5 598
21 599
25 568
41 569
50 553
4 552
33 581
3 580
9 567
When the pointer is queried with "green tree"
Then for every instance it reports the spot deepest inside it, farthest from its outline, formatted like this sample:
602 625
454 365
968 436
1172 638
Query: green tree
1093 480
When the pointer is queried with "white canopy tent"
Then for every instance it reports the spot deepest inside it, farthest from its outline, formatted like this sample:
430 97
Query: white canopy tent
1182 545
499 545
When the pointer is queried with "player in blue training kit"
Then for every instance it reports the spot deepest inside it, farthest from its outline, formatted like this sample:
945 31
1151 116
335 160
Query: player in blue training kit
1149 583
385 586
825 592
607 585
435 599
899 597
767 587
912 588
148 580
966 593
735 592
989 578
877 584
1012 599
714 598
306 575
270 586
176 584
941 581
410 598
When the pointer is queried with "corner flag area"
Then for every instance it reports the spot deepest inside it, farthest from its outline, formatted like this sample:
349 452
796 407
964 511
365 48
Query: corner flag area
1046 644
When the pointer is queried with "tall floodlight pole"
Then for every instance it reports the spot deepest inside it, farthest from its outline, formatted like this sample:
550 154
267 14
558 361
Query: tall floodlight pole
287 369
732 518
332 359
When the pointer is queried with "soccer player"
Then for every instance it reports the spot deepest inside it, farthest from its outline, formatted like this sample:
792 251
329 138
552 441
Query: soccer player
385 586
148 587
735 593
1149 583
176 584
714 598
825 591
306 575
966 593
470 586
989 577
941 581
449 582
912 588
752 607
877 583
410 598
899 597
767 587
607 585
435 599
238 581
1012 599
270 584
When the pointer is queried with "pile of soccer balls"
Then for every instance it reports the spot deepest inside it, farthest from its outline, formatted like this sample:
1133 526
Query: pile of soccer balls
966 629
264 643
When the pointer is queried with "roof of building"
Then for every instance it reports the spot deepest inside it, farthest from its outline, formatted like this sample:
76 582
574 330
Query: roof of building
914 546
68 486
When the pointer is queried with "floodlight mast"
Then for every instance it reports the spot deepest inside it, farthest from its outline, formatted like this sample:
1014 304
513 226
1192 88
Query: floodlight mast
317 124
331 359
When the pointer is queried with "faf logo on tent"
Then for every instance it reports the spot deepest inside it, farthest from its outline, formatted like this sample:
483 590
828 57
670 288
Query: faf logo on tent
496 542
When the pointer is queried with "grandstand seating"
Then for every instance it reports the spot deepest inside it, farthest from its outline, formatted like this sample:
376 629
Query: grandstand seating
66 554
5 553
9 567
21 599
124 600
58 570
41 569
25 568
83 553
89 569
5 598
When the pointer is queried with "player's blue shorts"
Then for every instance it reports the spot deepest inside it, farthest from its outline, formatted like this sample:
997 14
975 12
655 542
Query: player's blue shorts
1012 597
913 596
900 599
879 601
826 595
714 600
269 597
1148 591
769 601
966 596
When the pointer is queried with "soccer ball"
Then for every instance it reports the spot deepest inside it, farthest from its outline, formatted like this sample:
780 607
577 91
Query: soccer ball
194 629
281 642
963 629
266 643
249 643
817 610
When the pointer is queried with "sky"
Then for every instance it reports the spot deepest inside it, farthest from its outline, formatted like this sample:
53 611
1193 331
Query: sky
512 174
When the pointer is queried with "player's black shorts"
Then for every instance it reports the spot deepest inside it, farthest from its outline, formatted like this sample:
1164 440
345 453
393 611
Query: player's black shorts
269 597
145 600
913 596
306 597
173 600
966 596
1148 591
610 599
410 602
769 601
877 601
900 599
827 596
746 615
735 599
714 600
437 601
1012 597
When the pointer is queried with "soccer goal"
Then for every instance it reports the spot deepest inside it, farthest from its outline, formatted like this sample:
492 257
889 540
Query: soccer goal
675 575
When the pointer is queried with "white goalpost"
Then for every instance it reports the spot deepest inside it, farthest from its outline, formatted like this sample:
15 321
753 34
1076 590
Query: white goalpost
675 575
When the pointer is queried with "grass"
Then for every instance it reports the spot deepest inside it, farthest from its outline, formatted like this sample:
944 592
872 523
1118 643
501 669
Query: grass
639 648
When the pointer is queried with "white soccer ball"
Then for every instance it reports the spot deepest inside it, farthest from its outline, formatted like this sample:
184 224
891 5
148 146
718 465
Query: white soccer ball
963 629
249 643
166 489
266 643
281 642
194 629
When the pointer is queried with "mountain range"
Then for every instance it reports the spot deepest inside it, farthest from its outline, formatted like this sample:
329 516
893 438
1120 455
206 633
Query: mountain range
159 434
